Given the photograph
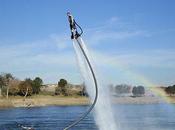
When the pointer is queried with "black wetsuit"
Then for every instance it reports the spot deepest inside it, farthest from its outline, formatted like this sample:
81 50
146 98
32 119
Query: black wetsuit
74 33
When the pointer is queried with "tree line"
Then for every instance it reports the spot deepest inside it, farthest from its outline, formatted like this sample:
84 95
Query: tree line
65 89
137 91
170 90
10 85
124 89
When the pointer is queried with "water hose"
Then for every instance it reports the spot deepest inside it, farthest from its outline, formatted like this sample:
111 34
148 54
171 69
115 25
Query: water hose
96 89
94 79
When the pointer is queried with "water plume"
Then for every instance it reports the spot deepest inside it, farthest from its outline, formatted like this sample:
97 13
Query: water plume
103 111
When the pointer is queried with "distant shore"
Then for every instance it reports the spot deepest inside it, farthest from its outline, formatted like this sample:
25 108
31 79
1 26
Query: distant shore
142 100
40 100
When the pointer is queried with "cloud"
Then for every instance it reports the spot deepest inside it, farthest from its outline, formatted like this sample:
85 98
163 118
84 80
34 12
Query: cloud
113 19
99 37
45 59
53 56
113 30
41 57
62 41
156 66
148 58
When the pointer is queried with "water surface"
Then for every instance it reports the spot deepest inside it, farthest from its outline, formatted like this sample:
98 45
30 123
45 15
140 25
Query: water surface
128 117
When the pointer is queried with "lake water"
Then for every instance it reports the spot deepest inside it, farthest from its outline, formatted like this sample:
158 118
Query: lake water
128 117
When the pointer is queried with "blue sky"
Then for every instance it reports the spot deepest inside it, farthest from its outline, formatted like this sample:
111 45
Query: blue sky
124 36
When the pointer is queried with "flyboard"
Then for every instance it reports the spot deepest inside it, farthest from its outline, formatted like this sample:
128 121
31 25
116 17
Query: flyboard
76 37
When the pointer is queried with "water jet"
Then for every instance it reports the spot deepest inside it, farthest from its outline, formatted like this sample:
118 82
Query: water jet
76 37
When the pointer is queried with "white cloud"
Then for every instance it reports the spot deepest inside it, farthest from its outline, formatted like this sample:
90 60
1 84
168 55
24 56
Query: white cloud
113 29
29 60
53 55
149 58
99 36
156 66
113 19
62 41
41 57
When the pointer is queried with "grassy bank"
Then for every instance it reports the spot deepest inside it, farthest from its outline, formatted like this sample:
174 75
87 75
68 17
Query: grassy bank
45 100
40 100
5 103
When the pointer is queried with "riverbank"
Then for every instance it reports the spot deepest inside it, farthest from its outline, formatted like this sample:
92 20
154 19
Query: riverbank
143 100
41 100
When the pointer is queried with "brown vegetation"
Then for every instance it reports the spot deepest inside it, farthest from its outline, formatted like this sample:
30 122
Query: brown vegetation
40 100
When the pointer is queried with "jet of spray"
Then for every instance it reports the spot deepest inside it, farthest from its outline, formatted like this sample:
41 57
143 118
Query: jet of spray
103 109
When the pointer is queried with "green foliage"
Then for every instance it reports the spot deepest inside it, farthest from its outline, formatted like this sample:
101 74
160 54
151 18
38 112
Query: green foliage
12 86
84 91
36 85
122 89
62 83
134 90
58 91
5 79
141 90
61 89
170 90
1 81
138 91
3 91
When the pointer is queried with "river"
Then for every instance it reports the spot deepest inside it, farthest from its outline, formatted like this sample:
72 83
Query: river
128 117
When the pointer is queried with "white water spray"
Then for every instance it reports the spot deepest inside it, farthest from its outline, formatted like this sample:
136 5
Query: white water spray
103 110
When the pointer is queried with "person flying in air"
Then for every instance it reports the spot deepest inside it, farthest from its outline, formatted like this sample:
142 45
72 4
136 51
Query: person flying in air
74 32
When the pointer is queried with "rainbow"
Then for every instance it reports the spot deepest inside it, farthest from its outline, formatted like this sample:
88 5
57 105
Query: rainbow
140 78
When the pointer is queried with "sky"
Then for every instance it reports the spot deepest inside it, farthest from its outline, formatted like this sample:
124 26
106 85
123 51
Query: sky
126 39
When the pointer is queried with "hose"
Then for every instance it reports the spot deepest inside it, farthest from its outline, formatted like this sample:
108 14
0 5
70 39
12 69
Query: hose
96 89
79 28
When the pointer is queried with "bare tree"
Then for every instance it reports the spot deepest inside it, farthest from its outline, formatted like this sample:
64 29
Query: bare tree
14 87
5 80
25 88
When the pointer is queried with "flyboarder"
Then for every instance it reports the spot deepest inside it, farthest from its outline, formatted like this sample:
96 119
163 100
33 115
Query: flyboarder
73 28
76 37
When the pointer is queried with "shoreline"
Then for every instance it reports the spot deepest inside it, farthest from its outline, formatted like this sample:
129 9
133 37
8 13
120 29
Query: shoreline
41 101
141 100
